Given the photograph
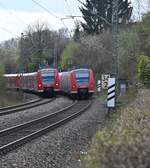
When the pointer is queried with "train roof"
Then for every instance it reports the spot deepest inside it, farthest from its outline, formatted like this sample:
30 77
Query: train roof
20 74
63 73
74 70
10 75
80 69
27 74
46 69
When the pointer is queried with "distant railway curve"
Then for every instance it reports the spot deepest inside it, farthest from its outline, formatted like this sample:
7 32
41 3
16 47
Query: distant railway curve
24 106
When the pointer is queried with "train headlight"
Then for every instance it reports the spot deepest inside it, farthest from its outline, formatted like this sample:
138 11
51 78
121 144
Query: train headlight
40 85
57 84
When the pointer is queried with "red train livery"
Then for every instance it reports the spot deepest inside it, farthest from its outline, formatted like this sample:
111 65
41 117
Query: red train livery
45 81
78 83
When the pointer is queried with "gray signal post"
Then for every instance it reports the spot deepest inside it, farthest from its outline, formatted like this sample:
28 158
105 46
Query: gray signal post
55 56
21 69
55 52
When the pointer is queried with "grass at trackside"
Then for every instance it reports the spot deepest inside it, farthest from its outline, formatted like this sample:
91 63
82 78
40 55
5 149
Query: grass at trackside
10 98
102 96
125 141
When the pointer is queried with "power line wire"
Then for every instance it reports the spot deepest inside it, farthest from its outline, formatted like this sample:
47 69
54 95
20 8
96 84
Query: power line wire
71 15
8 31
78 16
81 2
68 7
12 13
51 13
44 8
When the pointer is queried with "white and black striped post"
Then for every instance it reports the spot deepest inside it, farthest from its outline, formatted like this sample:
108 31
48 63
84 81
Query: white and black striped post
98 85
111 93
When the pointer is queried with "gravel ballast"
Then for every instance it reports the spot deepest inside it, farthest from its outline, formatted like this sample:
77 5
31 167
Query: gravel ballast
60 148
33 113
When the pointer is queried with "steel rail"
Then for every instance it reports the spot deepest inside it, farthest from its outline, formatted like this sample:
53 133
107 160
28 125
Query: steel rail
19 105
25 107
12 145
32 122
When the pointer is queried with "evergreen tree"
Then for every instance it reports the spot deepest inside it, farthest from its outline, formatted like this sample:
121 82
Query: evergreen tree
98 14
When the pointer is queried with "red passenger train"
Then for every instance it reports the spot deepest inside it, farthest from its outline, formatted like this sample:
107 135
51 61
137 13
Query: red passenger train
45 82
78 83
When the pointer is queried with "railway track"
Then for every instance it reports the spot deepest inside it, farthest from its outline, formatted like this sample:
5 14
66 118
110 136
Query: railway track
19 105
24 106
16 136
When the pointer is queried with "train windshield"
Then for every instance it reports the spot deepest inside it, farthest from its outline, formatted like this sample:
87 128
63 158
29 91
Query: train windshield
82 76
47 76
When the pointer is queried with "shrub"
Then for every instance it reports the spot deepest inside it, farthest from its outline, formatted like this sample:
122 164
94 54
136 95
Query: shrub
128 51
67 55
144 70
2 82
125 142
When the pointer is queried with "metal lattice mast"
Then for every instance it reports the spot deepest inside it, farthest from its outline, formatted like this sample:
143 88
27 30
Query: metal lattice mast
139 9
115 38
148 4
115 42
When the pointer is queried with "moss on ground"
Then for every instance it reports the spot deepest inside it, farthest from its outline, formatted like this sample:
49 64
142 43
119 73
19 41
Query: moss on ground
125 142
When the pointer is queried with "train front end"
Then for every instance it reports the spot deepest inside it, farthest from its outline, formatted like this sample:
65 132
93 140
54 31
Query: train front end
50 81
84 82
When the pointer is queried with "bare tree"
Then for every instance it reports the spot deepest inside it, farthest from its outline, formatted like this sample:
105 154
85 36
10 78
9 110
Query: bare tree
37 45
95 52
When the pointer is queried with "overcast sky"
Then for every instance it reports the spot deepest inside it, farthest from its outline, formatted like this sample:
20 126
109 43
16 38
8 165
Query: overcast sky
16 15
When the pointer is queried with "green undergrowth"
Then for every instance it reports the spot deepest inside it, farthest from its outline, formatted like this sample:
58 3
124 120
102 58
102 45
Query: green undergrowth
102 96
125 140
127 98
10 98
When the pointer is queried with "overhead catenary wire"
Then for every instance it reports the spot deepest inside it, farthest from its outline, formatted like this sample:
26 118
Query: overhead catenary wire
78 16
44 8
81 2
51 13
69 12
68 7
12 13
8 31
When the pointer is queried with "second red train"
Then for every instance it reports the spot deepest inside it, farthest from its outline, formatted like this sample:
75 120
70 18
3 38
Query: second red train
78 83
